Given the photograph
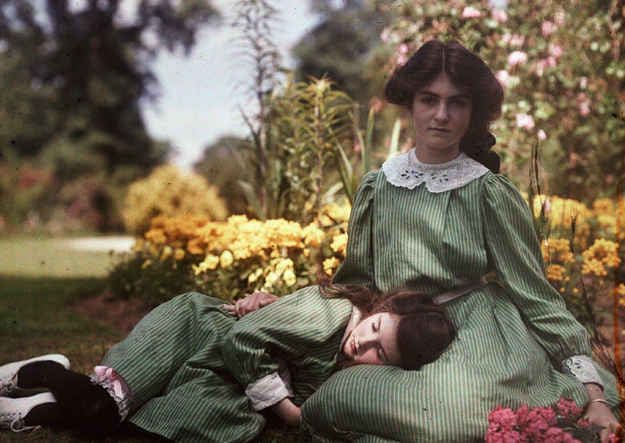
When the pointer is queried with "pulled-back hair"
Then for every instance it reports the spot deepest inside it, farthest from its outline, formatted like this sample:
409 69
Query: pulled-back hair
466 71
424 329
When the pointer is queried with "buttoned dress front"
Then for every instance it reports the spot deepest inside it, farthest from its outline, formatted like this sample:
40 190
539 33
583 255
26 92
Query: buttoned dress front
512 337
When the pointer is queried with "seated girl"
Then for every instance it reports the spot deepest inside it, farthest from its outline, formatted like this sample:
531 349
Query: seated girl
189 371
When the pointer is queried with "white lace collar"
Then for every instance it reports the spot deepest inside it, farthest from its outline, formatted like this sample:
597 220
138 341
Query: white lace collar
406 171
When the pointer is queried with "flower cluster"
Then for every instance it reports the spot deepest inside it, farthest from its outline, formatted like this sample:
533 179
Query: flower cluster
600 257
557 250
240 255
560 423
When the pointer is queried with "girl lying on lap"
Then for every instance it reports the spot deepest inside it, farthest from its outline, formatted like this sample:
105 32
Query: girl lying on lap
189 371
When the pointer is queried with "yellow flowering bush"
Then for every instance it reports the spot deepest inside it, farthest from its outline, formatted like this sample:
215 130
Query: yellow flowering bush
231 258
170 192
583 252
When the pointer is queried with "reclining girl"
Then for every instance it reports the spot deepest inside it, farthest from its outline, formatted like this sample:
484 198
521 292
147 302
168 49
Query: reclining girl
189 371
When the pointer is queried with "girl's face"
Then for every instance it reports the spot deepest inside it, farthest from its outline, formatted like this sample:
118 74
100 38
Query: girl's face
441 113
374 341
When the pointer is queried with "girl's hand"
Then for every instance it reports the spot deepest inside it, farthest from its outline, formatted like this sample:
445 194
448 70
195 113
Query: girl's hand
250 303
601 415
288 412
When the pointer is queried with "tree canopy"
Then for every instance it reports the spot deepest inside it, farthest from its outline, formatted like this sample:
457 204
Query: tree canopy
76 74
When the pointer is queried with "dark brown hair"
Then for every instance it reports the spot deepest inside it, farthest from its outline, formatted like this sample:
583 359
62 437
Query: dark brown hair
465 70
424 330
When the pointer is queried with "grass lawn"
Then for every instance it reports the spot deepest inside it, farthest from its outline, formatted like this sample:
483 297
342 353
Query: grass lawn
37 315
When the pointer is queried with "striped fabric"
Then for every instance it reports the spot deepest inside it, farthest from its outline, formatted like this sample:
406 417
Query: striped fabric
511 338
188 361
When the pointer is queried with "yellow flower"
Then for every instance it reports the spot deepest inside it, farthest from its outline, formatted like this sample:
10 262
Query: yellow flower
146 263
167 252
592 266
330 264
226 259
196 246
603 206
339 243
272 278
557 250
620 292
254 275
179 254
211 261
556 273
313 236
289 277
284 265
156 236
603 253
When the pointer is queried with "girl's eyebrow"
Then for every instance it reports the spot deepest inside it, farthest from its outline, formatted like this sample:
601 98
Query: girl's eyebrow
461 95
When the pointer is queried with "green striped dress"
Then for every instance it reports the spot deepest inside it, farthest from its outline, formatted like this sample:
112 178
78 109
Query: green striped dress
511 339
188 361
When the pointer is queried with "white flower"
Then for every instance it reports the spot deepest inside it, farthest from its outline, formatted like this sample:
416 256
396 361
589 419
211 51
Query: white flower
547 28
524 121
541 135
471 12
499 15
517 58
555 50
503 76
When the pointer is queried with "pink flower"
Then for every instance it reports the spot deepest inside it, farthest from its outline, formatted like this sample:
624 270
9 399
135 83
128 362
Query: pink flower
541 135
583 104
545 63
524 121
517 40
503 77
503 437
538 420
385 35
499 15
555 50
401 56
503 418
568 408
471 12
547 28
558 435
517 58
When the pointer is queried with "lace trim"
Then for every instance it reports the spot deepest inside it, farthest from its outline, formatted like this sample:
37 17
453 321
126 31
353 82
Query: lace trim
116 387
270 389
406 171
582 368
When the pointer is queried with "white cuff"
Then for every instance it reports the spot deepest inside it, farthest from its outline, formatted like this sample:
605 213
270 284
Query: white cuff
267 391
582 367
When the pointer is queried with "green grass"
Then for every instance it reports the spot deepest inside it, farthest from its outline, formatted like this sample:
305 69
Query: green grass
36 318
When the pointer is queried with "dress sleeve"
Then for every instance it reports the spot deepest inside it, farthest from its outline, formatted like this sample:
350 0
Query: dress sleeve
297 325
514 252
357 268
